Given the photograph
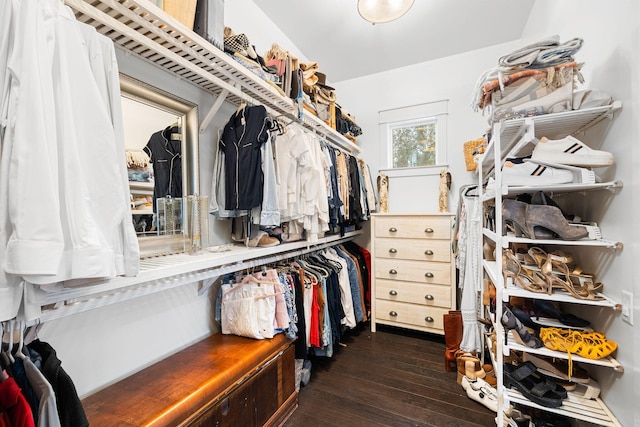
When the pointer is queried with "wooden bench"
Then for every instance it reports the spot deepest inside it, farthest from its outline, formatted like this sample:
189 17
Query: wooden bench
223 380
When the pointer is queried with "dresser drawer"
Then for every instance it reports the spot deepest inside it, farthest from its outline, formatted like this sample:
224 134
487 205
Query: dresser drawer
413 249
413 271
429 295
410 314
413 227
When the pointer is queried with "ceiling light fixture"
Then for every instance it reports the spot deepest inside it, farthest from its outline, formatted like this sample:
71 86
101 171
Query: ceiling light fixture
381 11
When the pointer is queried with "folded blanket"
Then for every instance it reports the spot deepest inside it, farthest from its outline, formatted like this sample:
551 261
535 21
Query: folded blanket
525 56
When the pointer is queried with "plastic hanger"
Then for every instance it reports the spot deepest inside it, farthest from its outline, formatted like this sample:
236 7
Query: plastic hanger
10 348
20 353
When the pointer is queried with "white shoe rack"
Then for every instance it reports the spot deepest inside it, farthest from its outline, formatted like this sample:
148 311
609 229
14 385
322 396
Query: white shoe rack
515 138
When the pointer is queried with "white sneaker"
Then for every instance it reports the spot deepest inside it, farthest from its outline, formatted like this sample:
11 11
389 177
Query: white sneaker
570 151
521 172
480 391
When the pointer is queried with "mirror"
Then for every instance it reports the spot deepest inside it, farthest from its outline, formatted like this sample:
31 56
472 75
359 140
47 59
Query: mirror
161 139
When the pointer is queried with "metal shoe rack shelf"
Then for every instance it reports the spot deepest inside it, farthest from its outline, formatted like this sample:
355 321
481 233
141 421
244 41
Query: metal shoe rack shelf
142 29
513 138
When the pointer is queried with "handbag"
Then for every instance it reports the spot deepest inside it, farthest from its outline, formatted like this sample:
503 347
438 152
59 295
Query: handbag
248 309
239 43
471 149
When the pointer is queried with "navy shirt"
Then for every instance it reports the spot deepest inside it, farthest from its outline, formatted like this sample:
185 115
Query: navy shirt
243 135
166 157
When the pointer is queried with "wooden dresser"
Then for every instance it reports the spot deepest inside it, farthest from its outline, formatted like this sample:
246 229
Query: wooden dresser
413 279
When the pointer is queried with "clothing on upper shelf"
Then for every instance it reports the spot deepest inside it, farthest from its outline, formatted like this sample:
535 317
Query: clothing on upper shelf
63 183
297 180
165 154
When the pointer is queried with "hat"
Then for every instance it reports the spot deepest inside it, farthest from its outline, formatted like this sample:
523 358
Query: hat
322 80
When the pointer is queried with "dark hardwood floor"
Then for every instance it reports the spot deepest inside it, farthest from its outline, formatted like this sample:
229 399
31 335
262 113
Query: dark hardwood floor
391 378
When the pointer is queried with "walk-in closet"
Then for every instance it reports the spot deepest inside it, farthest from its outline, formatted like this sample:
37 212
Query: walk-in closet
321 213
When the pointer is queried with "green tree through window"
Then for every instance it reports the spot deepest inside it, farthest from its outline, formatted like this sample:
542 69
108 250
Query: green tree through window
414 145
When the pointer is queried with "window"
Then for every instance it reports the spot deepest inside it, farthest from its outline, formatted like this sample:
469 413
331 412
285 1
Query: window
413 143
414 136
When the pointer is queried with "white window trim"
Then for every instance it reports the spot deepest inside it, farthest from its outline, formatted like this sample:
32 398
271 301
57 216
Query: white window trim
413 114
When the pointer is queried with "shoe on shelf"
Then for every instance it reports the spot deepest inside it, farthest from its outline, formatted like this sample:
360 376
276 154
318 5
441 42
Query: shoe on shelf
263 240
570 151
541 198
521 333
514 217
558 368
520 171
548 308
534 386
590 345
551 218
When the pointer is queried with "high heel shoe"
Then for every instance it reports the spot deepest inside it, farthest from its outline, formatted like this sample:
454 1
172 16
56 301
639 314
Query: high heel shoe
511 322
549 309
582 290
541 198
551 218
530 280
525 319
540 258
514 217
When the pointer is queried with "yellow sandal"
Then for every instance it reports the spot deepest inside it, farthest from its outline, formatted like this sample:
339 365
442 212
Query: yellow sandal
590 345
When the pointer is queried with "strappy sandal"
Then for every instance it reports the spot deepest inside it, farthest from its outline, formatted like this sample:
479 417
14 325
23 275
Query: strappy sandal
590 345
577 291
534 386
538 257
530 280
595 345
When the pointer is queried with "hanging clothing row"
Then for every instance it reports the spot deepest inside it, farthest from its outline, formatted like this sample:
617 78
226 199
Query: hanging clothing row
64 198
312 298
34 388
285 176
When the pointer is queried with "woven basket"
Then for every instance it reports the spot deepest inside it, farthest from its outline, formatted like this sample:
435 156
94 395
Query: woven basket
471 149
183 10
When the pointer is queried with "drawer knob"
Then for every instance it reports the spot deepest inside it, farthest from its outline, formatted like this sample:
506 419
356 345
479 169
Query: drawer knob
428 275
393 292
428 319
393 271
428 252
393 250
428 297
393 314
428 230
393 230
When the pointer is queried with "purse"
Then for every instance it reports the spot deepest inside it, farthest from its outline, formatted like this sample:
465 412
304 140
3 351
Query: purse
471 149
248 309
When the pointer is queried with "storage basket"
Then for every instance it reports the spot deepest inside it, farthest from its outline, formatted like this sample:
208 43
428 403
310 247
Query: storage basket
471 149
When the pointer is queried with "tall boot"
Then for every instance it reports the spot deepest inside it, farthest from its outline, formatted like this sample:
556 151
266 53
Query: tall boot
452 337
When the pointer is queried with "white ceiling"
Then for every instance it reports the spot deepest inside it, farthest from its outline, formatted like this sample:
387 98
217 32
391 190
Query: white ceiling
345 46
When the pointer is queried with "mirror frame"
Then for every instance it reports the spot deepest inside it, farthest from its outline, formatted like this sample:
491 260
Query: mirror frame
147 94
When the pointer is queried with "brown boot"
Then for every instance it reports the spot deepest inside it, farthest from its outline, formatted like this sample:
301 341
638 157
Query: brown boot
452 337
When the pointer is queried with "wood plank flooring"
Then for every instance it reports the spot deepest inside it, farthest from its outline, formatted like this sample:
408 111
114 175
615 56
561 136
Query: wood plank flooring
391 378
